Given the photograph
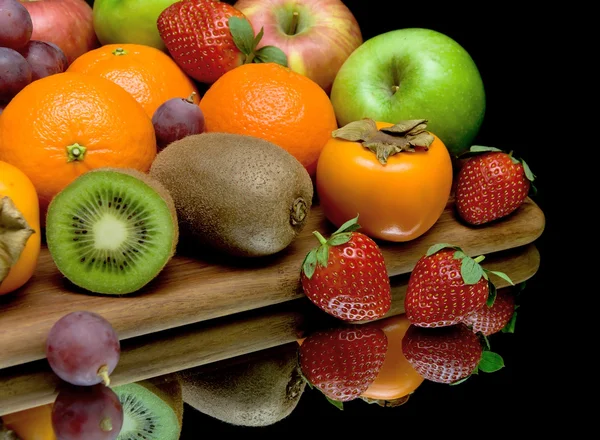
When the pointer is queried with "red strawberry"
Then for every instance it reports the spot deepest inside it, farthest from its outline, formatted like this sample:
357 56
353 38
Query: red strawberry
207 38
445 286
343 362
491 185
346 276
492 319
447 354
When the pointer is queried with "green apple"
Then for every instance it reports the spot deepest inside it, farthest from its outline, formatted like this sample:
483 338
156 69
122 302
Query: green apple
413 73
129 21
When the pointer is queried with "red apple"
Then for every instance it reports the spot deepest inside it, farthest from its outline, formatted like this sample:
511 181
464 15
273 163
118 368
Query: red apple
66 23
316 35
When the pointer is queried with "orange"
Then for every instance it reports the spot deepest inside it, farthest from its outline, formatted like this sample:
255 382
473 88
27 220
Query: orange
149 74
33 423
272 102
63 125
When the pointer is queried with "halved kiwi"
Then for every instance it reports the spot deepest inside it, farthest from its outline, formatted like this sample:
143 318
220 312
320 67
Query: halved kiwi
112 230
152 409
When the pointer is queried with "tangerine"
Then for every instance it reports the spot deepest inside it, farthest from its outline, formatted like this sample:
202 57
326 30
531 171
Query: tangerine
63 125
150 75
272 102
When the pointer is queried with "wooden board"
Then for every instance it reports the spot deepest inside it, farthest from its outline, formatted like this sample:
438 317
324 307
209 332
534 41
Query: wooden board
173 350
192 288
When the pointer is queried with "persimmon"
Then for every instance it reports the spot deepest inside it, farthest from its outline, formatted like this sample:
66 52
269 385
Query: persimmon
397 379
396 177
32 424
20 234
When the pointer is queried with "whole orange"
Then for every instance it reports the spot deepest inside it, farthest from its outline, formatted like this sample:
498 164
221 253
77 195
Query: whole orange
63 125
149 74
272 102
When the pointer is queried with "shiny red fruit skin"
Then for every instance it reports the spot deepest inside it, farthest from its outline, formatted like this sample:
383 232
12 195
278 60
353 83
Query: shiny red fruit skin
444 354
490 320
437 296
197 36
490 186
355 285
343 362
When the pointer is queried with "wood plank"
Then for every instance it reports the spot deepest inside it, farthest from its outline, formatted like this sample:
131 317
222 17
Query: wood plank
203 343
194 288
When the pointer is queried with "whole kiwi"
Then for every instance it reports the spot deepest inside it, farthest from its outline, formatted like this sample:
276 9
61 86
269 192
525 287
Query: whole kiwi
255 391
238 194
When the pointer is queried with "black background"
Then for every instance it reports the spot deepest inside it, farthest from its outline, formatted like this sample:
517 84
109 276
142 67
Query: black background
507 45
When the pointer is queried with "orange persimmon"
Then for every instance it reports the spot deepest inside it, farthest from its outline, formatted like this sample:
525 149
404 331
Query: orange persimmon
32 424
20 234
397 180
397 379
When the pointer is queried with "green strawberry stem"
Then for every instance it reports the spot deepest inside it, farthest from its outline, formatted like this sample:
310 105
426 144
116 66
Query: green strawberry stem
320 237
246 41
320 255
385 142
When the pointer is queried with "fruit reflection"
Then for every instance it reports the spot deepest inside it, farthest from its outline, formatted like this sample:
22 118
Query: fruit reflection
397 379
343 362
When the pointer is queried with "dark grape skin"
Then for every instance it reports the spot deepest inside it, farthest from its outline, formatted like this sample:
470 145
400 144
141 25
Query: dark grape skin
63 57
83 349
15 73
44 59
87 413
16 25
175 119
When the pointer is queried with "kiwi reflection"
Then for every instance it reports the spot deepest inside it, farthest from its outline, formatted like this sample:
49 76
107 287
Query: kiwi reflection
251 391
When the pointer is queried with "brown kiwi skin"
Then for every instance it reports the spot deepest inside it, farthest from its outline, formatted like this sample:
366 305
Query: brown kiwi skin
253 391
234 193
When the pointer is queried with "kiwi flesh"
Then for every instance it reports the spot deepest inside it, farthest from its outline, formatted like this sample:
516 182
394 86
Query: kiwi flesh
260 392
152 409
236 194
112 230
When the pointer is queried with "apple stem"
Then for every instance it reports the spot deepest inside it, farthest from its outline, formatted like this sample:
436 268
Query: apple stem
293 24
395 88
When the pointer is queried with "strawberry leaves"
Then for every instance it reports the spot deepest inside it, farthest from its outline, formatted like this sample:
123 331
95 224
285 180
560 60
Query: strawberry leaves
470 269
320 255
245 40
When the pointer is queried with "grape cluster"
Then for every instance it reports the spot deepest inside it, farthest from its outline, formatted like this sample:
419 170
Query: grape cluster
23 60
83 349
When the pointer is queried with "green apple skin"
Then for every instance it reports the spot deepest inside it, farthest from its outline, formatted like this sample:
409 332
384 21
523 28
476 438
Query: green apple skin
129 21
413 73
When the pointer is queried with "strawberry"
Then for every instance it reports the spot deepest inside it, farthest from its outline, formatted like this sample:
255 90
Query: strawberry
491 185
448 354
343 362
499 316
346 275
446 285
207 38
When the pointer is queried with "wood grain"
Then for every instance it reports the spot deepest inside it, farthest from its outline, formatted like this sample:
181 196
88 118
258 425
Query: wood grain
194 288
203 343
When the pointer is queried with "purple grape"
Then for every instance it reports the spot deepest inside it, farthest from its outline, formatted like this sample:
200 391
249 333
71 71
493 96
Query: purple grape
63 56
45 59
87 413
15 73
176 119
16 25
82 348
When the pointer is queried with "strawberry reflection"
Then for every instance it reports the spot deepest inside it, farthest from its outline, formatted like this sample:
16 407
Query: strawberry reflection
343 362
448 354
